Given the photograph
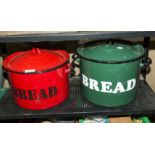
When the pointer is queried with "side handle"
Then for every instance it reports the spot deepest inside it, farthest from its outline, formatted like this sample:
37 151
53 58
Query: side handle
74 64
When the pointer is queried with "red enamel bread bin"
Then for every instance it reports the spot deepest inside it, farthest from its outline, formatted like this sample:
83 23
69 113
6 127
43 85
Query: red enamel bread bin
38 77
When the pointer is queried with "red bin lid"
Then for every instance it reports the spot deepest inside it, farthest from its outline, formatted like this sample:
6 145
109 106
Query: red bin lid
36 60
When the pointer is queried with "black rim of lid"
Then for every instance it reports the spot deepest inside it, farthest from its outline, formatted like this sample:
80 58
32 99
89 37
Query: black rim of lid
39 72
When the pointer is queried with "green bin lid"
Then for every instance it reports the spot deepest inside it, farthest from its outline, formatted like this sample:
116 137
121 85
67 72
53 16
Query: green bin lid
111 53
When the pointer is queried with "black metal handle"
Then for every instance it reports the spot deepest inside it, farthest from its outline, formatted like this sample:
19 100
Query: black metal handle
75 57
146 65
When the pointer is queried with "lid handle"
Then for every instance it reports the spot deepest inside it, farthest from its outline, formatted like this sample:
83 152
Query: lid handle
36 51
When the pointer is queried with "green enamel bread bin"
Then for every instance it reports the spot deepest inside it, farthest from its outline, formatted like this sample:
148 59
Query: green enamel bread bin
110 73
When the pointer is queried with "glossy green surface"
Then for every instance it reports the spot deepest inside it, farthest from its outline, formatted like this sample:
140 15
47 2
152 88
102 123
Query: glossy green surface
112 52
113 73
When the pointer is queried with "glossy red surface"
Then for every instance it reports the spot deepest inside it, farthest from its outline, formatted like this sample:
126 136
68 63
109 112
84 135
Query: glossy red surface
37 91
35 59
31 91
